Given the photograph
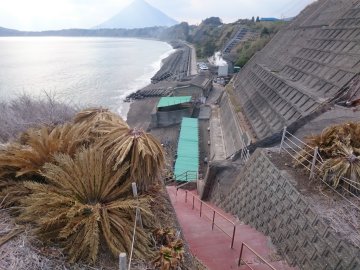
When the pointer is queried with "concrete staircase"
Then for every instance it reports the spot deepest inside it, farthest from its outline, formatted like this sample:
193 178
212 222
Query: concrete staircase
211 234
243 34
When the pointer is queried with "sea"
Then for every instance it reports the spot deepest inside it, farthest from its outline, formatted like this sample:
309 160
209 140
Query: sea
80 71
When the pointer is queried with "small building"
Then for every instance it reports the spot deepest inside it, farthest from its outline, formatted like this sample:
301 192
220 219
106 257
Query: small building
223 70
198 87
170 111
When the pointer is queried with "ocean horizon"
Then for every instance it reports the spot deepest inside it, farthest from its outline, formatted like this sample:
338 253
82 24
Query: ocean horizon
81 71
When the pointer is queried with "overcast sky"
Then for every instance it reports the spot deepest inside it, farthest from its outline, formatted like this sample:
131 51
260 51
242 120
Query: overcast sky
60 14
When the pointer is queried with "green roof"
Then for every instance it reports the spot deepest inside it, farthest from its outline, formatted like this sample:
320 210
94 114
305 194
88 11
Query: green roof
170 101
187 162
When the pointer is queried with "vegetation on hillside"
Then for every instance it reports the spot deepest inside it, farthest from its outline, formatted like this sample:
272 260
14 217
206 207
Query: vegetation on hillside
246 50
72 183
339 147
212 35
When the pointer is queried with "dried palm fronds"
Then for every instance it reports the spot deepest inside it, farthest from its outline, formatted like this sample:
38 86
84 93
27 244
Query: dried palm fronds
98 114
339 147
83 205
344 164
143 152
11 192
39 146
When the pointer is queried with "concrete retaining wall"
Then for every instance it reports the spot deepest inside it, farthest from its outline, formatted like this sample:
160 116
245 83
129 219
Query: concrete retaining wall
231 131
268 201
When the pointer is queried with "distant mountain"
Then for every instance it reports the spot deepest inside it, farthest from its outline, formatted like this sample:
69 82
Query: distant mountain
138 14
8 32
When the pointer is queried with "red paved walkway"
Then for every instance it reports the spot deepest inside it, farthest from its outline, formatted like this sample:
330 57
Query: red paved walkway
212 248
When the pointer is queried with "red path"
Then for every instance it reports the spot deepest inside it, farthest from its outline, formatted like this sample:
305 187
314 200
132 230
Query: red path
212 247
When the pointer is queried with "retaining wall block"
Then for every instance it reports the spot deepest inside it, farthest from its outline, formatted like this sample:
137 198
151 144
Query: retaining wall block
330 238
344 252
301 204
354 264
320 226
306 264
317 261
310 214
331 259
294 196
298 254
309 231
319 243
308 248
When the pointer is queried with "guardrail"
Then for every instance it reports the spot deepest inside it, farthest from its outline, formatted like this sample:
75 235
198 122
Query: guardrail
185 176
295 147
214 214
255 253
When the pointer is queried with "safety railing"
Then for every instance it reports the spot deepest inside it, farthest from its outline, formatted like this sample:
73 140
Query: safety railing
310 159
255 253
186 176
215 214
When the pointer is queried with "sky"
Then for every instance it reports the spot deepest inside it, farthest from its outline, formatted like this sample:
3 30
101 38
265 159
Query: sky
37 15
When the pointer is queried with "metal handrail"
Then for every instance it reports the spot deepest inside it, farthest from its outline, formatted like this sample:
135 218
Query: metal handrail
255 253
213 216
179 177
182 185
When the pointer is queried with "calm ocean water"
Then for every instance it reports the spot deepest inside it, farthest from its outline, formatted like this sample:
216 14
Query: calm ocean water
82 71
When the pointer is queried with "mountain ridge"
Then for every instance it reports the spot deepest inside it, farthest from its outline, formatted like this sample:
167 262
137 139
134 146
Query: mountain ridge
139 14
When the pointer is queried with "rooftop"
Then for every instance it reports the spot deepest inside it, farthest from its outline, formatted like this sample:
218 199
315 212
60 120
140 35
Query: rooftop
170 101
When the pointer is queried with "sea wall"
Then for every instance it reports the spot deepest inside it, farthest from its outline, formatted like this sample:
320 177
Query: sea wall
265 198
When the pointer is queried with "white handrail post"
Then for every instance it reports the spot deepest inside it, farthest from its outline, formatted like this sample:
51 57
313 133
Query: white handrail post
122 261
312 171
135 193
282 139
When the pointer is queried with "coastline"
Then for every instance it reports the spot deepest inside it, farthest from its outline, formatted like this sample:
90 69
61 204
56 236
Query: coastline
142 101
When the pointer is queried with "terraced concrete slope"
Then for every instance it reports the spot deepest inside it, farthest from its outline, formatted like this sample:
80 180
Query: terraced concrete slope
309 63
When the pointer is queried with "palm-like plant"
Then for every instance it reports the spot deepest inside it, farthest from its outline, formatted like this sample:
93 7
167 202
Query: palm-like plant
339 146
92 115
82 204
344 164
38 147
143 152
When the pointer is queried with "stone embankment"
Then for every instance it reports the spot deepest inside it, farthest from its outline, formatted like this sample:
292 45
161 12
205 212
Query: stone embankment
308 228
176 66
310 63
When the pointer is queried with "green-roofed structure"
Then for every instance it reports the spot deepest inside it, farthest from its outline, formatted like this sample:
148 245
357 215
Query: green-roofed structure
187 162
171 101
170 110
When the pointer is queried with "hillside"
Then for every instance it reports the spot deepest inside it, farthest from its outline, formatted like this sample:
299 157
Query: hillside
139 14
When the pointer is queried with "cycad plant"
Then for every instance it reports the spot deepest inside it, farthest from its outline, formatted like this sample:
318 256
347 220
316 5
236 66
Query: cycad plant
82 204
141 150
339 147
93 115
345 163
37 146
73 183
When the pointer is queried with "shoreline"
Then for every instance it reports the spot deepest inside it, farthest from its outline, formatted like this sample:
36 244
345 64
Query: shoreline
160 88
